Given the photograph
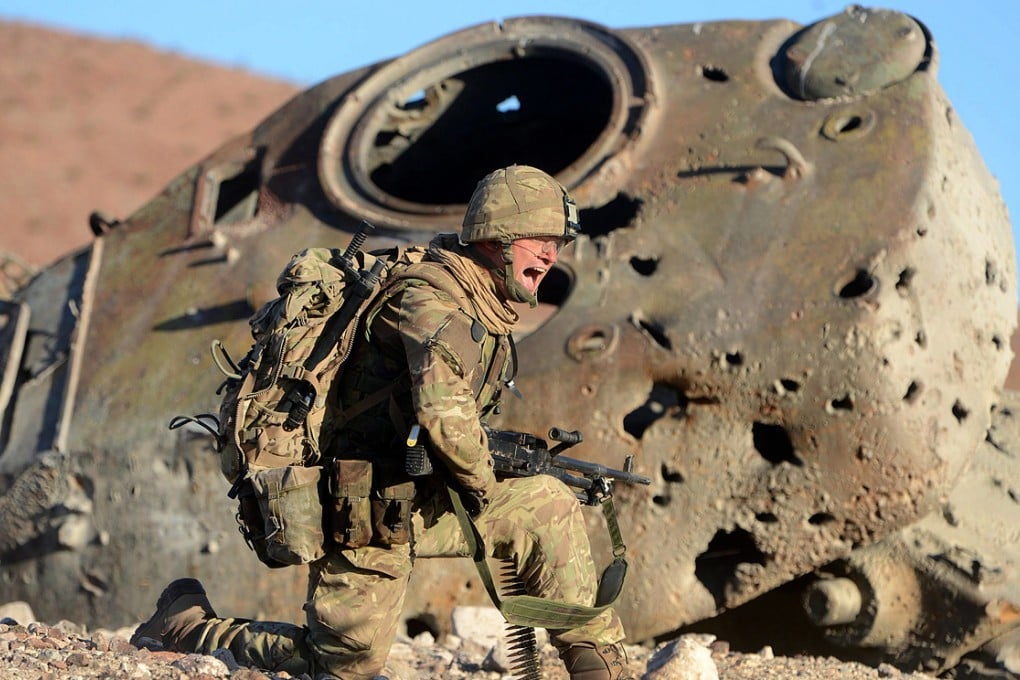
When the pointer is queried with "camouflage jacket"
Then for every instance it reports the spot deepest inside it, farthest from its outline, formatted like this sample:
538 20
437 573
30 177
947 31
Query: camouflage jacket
441 338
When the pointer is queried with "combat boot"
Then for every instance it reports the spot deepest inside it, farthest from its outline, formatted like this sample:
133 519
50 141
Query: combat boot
585 661
181 608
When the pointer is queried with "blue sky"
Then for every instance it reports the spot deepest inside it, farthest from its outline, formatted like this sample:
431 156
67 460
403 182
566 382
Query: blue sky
313 40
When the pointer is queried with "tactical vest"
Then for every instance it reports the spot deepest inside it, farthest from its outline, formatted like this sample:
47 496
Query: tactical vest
362 418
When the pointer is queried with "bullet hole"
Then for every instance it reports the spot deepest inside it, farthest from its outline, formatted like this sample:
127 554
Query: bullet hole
672 476
734 358
618 213
959 411
904 280
662 500
789 385
921 339
663 401
862 284
644 266
766 517
714 73
821 519
913 390
998 342
591 341
716 568
422 623
656 331
774 444
991 273
844 403
850 124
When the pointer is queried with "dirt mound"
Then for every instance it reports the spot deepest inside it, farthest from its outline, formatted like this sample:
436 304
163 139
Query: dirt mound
89 124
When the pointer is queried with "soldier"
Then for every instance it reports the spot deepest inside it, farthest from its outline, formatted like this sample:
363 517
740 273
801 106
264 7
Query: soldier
439 337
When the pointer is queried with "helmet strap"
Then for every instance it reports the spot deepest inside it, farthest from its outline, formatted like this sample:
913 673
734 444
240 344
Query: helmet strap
514 289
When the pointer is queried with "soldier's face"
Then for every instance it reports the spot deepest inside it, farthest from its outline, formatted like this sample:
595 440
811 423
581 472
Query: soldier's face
533 258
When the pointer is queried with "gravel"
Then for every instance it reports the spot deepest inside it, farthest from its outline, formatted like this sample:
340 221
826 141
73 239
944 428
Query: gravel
66 651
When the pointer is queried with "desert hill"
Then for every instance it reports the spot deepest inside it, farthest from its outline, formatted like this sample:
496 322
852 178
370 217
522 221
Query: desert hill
89 124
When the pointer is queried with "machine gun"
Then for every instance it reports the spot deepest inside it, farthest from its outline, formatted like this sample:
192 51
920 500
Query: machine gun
519 454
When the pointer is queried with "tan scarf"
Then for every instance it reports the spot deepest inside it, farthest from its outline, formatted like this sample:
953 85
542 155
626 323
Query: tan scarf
491 308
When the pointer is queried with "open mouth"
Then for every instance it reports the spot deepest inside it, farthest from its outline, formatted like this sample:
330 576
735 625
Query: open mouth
533 276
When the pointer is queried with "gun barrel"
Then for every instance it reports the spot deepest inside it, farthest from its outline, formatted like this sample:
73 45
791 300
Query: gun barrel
596 469
566 436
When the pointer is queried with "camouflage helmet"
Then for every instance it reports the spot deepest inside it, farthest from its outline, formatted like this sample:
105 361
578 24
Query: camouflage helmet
519 202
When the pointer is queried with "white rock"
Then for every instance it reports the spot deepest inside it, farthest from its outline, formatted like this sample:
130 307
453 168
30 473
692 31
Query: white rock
483 625
687 658
19 611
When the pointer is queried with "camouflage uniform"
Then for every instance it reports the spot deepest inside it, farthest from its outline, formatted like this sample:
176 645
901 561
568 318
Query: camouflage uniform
449 362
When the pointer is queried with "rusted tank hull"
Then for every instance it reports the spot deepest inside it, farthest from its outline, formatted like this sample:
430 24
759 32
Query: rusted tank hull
792 304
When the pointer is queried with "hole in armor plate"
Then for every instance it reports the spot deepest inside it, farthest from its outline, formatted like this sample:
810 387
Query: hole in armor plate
717 566
663 401
774 444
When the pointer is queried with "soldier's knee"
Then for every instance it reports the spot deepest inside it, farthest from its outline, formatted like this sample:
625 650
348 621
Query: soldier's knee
344 655
541 492
555 491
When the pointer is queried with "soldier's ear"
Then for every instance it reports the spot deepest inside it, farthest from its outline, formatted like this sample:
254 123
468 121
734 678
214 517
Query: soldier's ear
490 251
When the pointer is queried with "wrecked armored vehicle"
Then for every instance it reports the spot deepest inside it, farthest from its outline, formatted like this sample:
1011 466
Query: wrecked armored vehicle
793 304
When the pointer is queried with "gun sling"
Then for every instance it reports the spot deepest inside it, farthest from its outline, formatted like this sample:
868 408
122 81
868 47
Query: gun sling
537 612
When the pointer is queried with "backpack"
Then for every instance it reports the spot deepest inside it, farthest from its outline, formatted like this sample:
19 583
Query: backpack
272 427
269 431
274 399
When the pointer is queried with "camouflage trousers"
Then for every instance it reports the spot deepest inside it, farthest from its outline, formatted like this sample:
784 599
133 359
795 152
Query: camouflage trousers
355 597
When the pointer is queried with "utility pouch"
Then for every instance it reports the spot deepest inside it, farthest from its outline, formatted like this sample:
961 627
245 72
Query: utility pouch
391 513
252 524
288 498
350 493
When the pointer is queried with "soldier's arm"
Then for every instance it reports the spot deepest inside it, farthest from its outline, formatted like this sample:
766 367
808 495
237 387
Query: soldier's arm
441 357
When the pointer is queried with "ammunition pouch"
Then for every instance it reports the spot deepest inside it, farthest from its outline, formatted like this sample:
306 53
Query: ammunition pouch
391 513
280 514
369 502
350 508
